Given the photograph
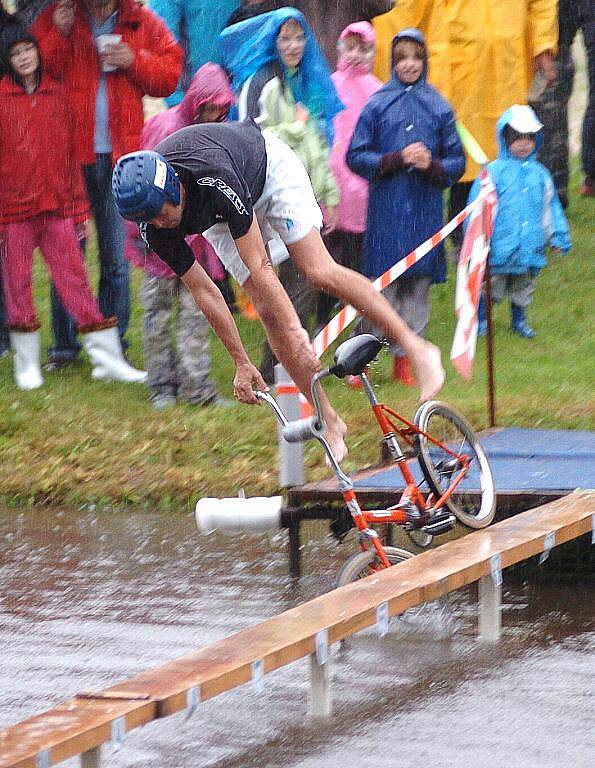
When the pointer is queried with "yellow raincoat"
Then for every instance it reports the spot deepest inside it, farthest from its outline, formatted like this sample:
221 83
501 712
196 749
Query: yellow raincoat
481 54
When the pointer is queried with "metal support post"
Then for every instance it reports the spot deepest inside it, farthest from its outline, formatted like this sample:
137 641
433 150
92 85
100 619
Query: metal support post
91 758
321 704
490 603
295 560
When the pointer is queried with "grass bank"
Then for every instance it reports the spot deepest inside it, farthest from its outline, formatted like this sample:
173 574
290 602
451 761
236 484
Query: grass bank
77 442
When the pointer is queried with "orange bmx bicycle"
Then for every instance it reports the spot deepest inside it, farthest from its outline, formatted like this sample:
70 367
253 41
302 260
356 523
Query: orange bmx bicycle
452 480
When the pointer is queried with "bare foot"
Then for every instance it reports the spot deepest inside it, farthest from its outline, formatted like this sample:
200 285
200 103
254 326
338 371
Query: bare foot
335 436
427 366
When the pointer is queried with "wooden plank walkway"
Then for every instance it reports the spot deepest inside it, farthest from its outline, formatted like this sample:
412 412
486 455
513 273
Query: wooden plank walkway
82 724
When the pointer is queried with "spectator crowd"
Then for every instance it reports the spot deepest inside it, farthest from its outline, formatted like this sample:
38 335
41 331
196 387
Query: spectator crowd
377 136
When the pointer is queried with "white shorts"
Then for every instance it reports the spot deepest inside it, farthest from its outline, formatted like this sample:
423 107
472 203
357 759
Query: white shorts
286 210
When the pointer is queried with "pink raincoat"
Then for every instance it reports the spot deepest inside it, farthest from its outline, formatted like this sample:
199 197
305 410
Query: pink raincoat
208 86
354 85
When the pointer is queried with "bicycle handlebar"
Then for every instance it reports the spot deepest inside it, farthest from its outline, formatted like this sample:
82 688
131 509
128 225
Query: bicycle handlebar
301 429
310 428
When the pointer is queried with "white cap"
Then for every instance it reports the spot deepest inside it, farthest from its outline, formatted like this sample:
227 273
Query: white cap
523 119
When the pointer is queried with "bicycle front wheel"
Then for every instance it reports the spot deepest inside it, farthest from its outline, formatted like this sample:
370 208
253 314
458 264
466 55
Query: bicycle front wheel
473 502
363 564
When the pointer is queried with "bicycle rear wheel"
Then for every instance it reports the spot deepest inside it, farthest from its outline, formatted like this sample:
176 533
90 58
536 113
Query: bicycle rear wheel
473 502
363 564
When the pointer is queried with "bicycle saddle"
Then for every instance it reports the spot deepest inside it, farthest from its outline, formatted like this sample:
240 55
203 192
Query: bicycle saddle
352 356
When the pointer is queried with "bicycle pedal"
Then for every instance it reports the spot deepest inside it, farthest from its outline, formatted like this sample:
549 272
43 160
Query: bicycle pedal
440 523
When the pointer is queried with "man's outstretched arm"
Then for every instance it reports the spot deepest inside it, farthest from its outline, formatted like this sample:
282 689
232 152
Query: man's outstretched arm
288 340
285 332
210 300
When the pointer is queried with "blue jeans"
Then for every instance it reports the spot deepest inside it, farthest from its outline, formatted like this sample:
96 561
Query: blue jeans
114 274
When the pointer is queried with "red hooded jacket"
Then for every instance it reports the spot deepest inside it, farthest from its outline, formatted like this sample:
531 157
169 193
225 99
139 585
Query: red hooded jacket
38 168
74 61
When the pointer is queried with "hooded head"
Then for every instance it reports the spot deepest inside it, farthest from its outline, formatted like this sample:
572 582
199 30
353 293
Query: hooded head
409 56
356 47
209 96
250 45
19 53
519 133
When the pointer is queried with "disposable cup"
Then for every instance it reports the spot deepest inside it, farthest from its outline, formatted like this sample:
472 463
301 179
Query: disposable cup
102 42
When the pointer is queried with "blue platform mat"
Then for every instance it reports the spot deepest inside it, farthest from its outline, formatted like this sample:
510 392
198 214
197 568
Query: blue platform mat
523 460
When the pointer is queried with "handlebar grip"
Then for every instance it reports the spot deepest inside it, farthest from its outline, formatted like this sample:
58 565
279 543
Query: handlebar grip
303 429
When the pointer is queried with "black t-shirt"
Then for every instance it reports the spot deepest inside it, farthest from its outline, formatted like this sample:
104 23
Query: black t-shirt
222 167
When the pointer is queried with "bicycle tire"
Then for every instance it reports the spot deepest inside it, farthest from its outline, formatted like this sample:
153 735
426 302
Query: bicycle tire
473 502
359 564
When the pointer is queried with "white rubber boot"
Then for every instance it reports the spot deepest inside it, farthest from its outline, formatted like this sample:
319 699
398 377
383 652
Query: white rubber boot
27 350
105 351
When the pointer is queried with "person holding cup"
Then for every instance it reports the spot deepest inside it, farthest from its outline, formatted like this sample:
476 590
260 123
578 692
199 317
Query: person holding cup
108 54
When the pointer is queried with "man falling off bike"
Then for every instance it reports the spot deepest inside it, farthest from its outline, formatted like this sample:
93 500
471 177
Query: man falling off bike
243 189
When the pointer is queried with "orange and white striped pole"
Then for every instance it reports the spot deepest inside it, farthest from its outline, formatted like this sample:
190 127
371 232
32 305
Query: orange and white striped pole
291 455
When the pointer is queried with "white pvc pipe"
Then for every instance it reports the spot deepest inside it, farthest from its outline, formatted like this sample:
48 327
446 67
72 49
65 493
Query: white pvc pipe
254 515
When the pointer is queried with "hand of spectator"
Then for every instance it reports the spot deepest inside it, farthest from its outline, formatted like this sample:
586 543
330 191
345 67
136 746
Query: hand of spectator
82 230
247 378
330 219
302 113
118 55
409 153
546 64
423 158
64 16
417 155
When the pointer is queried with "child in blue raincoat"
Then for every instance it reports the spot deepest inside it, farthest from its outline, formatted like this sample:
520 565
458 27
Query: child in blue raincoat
406 145
529 216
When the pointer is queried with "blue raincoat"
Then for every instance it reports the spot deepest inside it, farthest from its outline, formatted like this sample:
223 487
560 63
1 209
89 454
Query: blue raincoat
406 208
199 22
529 211
245 48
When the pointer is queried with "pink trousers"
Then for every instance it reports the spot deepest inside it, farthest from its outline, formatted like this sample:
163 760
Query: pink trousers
57 240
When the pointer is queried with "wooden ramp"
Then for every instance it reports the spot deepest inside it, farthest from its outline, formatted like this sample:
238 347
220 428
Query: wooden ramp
83 724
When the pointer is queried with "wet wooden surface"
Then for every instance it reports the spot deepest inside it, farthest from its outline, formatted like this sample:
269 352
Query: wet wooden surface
85 722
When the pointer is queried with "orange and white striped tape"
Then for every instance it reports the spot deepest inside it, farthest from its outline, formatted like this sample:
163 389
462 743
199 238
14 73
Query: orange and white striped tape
348 314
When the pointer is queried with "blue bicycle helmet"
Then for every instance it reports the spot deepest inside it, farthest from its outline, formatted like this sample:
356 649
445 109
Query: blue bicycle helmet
142 182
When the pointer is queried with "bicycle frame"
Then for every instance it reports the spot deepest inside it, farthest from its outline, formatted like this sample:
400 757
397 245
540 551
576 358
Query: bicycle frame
411 492
414 509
